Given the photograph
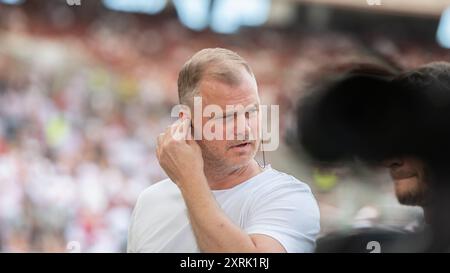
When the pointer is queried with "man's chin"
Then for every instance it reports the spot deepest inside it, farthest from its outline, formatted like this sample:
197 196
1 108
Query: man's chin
241 160
408 192
409 199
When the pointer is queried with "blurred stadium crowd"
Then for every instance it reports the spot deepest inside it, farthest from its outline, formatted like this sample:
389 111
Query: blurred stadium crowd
81 104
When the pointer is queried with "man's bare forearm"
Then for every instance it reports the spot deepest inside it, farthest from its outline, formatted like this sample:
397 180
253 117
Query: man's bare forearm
214 231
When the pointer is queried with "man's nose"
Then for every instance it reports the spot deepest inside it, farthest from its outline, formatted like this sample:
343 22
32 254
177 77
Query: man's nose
392 162
244 128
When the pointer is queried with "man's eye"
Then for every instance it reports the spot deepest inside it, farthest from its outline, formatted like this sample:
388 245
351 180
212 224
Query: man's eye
229 117
223 118
252 113
220 117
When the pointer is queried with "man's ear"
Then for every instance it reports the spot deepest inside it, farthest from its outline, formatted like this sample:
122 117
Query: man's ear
184 112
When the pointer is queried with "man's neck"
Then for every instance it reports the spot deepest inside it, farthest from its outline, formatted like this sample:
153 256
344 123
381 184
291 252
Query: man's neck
221 179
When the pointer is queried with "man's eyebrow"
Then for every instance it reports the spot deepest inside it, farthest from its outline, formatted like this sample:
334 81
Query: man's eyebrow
254 107
247 109
229 113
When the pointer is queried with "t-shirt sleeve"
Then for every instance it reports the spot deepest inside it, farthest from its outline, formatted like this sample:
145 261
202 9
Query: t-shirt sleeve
288 213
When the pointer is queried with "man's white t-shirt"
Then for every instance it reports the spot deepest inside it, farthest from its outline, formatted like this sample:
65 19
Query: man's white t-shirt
271 203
